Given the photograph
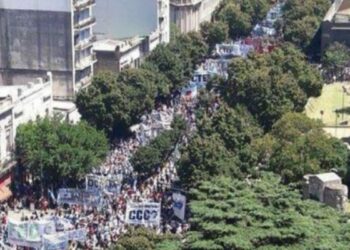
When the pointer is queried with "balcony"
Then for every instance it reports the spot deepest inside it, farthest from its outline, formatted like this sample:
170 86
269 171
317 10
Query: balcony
85 43
83 23
181 3
84 82
81 4
85 62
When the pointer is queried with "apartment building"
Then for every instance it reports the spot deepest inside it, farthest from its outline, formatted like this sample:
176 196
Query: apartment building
37 36
20 104
189 14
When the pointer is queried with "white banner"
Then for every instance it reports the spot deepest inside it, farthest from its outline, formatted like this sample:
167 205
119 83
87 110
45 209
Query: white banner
29 234
110 184
179 205
146 213
77 235
57 241
73 196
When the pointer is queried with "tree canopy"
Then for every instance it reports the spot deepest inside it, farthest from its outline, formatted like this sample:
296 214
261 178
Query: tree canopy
241 15
146 239
220 147
168 63
53 151
115 102
270 85
335 59
261 214
302 19
214 33
297 145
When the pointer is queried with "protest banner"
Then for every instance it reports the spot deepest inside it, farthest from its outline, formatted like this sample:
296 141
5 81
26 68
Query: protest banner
179 205
98 183
146 213
69 196
92 182
79 197
61 224
77 235
17 233
29 234
58 241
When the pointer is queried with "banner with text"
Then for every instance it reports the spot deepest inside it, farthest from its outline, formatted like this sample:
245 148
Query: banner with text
146 213
57 241
78 197
77 235
29 234
110 184
179 205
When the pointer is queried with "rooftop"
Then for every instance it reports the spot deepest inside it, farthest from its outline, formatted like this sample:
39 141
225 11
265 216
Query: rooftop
326 177
339 7
112 44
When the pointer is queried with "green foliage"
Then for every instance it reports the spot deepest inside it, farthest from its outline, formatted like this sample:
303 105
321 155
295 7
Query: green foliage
191 48
241 15
169 63
148 158
146 239
239 23
302 19
221 147
214 33
297 145
335 59
261 214
61 150
270 85
115 102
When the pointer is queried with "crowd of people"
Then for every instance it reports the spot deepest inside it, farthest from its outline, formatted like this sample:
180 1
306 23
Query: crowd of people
106 224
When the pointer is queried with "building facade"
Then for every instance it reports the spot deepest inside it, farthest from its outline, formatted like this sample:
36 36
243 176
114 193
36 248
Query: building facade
37 36
20 104
336 24
115 53
189 14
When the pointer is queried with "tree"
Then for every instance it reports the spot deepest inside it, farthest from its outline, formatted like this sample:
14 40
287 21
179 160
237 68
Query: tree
221 146
170 64
260 214
191 50
302 19
205 158
146 239
214 33
270 85
240 16
297 145
148 158
335 59
55 151
115 102
239 22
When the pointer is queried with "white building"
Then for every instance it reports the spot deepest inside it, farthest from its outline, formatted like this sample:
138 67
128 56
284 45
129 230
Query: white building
164 21
37 36
20 104
189 14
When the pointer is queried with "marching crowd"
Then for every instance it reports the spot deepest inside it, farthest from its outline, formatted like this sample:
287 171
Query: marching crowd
106 224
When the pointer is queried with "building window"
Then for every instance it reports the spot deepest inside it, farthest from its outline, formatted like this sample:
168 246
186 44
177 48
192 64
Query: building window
8 141
46 98
18 114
